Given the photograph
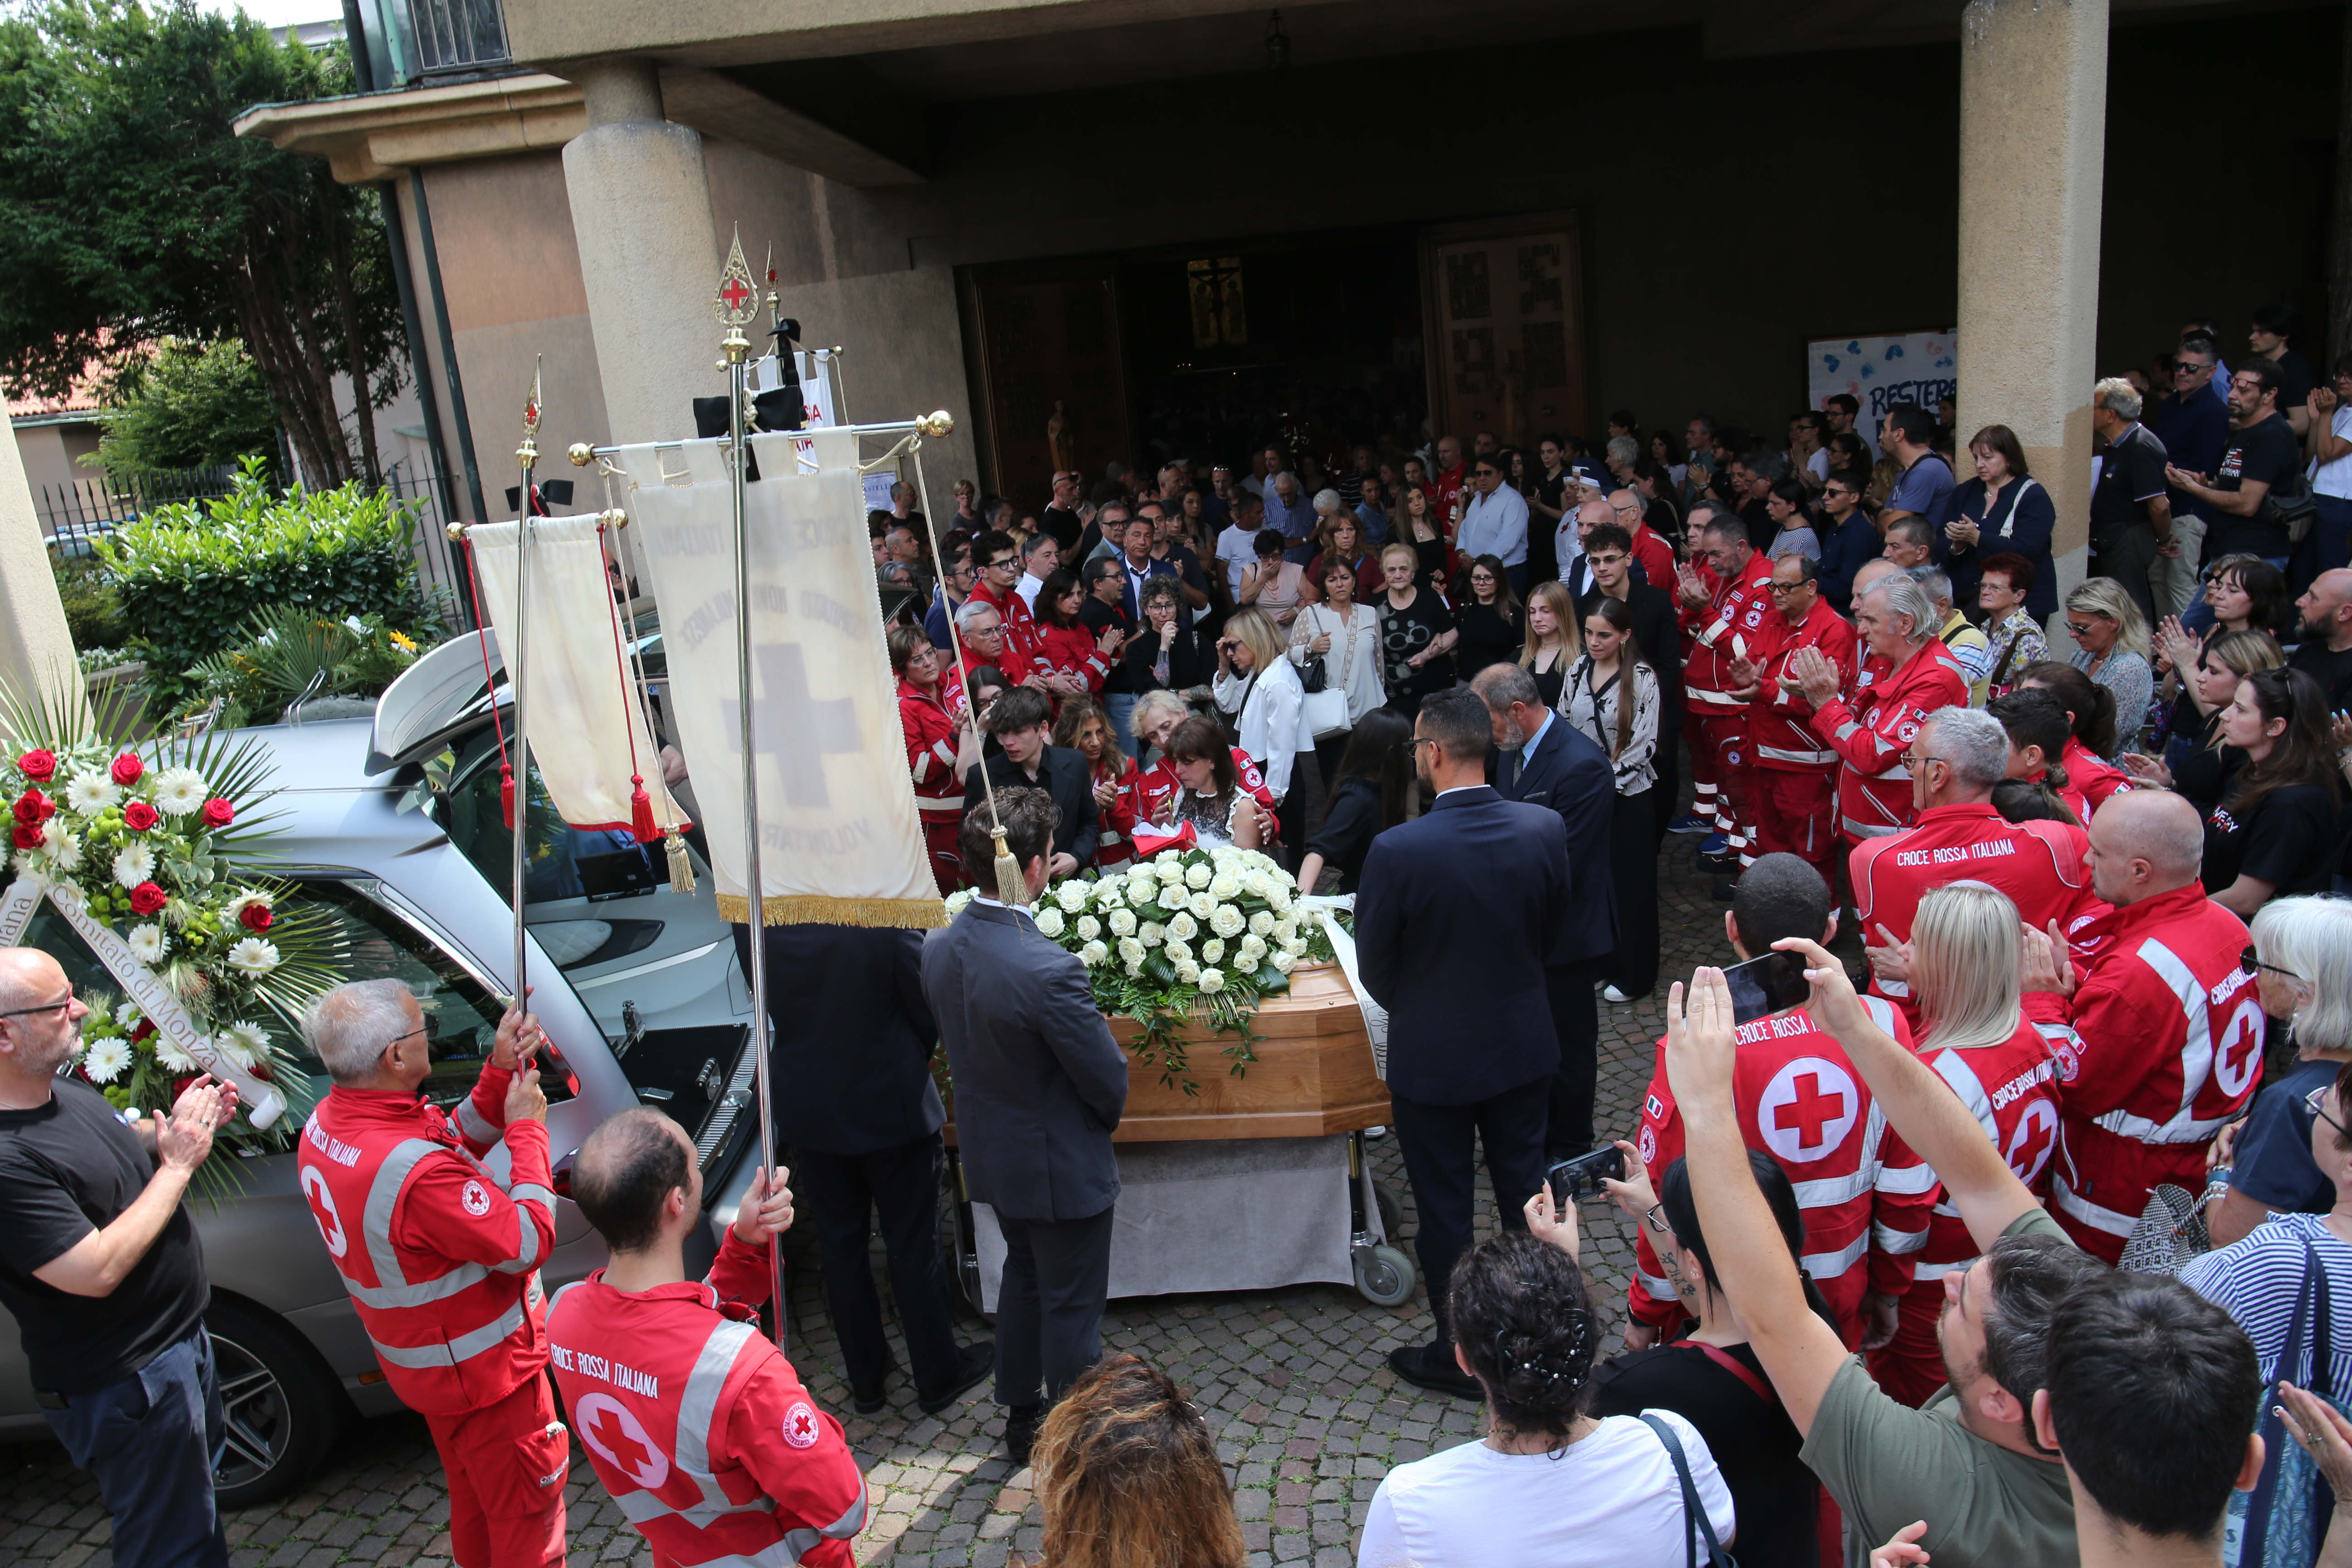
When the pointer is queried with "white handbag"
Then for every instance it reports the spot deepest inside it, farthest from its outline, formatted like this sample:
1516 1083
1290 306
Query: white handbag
1325 713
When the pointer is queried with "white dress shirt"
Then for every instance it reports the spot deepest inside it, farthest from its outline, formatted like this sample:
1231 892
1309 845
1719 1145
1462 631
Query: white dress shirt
1495 525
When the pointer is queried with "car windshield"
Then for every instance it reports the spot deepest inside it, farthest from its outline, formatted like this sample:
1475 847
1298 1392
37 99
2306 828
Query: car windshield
564 862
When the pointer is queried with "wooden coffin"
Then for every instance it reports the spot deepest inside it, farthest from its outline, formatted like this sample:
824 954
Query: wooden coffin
1313 1076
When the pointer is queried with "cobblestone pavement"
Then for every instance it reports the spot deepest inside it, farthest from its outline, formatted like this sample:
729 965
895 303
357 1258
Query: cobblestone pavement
1294 1381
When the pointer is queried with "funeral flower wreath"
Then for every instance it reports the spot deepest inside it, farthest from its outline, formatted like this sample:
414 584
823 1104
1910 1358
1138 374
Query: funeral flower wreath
1206 934
157 842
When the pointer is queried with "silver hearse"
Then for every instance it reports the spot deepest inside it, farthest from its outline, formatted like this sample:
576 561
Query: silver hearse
393 823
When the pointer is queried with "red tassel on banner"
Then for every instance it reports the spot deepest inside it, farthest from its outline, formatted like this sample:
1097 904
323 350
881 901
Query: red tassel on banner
641 812
506 793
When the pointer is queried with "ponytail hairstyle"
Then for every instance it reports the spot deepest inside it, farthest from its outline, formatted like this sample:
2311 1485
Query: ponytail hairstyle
1629 668
2032 800
1521 1316
2093 705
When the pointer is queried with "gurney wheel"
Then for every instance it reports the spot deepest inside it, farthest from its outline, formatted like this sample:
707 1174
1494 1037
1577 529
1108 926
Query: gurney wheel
1392 1209
1384 1275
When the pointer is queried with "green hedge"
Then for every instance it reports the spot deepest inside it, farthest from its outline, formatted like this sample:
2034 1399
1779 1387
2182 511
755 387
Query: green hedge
192 576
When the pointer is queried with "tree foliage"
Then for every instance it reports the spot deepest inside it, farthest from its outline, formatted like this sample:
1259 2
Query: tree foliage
129 212
194 406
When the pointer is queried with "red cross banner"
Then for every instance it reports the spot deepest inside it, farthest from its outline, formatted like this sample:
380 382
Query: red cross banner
840 840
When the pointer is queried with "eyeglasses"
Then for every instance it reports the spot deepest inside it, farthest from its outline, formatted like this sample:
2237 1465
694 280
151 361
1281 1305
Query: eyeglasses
2251 964
1419 740
1915 761
1777 589
2317 1103
48 1007
2078 628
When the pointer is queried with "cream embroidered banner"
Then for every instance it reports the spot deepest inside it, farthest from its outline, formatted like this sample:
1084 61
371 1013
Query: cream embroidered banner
840 840
582 721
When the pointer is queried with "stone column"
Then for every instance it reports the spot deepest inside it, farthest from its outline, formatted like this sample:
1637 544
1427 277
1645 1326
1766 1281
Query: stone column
641 213
2033 97
37 654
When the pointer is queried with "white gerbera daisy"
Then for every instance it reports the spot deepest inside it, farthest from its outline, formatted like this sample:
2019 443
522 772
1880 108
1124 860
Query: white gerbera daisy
148 945
134 865
127 1017
89 794
63 847
106 1061
1213 950
1198 876
33 865
1093 954
1049 921
170 1057
179 791
1226 921
253 956
241 1042
1212 980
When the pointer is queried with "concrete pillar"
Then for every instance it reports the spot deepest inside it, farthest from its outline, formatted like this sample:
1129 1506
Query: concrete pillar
641 213
2033 97
37 654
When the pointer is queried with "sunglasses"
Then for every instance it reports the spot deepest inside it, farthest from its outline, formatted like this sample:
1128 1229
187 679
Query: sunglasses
2251 964
2078 628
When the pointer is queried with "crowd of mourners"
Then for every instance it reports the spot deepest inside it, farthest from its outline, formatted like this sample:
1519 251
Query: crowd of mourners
2107 1013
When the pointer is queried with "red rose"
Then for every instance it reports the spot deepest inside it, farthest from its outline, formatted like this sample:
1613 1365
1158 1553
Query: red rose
138 816
219 812
40 764
145 1027
27 837
127 769
147 898
255 918
33 808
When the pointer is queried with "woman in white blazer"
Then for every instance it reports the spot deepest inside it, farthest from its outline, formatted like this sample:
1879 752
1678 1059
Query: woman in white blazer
1260 687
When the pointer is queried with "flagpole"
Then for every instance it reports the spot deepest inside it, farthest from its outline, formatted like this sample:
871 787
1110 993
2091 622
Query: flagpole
527 456
738 300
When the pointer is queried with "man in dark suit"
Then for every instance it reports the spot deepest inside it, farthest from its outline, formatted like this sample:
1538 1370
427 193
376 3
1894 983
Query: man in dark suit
1019 722
1617 575
1039 1088
1546 761
851 1062
1456 917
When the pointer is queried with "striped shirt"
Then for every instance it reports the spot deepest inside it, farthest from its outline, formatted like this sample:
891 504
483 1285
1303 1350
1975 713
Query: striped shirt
2256 1280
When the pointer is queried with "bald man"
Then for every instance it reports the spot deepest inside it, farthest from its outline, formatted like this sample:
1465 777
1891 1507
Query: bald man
101 1267
693 1420
2324 652
2170 1025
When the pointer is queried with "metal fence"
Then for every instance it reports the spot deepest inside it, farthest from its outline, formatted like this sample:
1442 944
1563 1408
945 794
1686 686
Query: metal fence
439 565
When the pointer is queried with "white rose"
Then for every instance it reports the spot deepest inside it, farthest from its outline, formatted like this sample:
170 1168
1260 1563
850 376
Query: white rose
1130 951
1109 893
1283 964
1188 974
1286 929
1177 952
1168 868
1143 887
1183 929
1225 887
1227 920
1049 921
1122 923
959 899
1261 923
1212 950
1296 947
1202 905
1212 980
1277 897
1198 876
1093 955
1089 928
1153 933
1252 949
1071 896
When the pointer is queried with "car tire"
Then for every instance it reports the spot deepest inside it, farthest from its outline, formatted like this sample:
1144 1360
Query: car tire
283 1406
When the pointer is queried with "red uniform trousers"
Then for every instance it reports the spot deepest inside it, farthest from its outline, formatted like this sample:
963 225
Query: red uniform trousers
506 1464
1910 1366
1796 814
1721 770
944 842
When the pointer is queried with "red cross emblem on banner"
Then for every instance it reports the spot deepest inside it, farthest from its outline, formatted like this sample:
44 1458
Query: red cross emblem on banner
735 292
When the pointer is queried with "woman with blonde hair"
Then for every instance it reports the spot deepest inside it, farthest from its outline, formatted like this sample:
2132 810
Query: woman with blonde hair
1258 686
1554 638
1985 1040
2111 648
1129 1476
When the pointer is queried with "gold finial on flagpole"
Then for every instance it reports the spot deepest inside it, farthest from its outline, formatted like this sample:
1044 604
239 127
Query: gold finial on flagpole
738 300
528 453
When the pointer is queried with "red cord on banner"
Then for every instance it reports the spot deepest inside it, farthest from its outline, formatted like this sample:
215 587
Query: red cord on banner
641 804
506 760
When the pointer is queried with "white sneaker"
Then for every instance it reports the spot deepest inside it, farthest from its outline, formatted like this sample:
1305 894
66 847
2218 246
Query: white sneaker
1611 992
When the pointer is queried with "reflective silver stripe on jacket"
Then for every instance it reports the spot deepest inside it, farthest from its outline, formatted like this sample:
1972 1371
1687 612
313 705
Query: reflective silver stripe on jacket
471 1124
461 1348
1782 755
1896 1241
1937 1270
1830 1265
527 1250
2095 1216
393 1287
1869 829
530 1190
2196 1059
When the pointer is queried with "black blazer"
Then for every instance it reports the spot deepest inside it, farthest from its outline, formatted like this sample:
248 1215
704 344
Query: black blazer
1659 637
853 1036
1039 1083
1570 774
1192 659
1454 926
1061 772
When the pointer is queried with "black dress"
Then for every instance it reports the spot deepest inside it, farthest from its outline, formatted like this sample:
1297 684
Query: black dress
1404 634
1192 659
1550 683
1348 827
1754 1443
1489 636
